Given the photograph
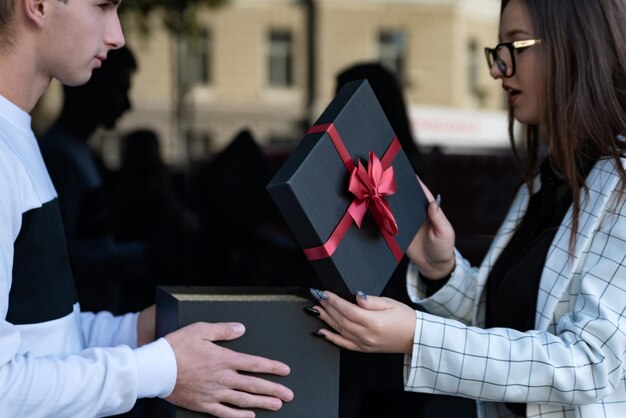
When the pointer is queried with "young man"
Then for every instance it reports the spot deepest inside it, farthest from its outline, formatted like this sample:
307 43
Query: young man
56 361
108 274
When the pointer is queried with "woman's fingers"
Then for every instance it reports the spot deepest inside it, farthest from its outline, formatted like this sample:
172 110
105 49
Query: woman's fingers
374 324
345 316
372 303
427 192
340 340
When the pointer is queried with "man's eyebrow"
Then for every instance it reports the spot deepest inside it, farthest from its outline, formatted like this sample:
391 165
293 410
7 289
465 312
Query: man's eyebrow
115 2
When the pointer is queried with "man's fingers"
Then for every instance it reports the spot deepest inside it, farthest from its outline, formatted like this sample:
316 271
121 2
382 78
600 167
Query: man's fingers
224 331
239 361
247 400
255 364
259 390
223 411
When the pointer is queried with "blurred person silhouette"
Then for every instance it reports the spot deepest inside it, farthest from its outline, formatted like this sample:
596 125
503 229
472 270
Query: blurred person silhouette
146 208
243 232
101 266
390 95
369 383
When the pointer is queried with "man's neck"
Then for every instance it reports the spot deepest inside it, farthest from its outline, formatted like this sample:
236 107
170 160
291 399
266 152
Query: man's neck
22 82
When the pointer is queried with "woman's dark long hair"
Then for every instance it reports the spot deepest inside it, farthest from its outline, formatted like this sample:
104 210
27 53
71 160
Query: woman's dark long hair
583 52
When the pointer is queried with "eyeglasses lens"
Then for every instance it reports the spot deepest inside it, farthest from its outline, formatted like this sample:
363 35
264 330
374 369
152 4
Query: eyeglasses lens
504 60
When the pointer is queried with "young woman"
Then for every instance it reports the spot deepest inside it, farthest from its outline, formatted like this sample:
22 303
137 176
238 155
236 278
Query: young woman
538 329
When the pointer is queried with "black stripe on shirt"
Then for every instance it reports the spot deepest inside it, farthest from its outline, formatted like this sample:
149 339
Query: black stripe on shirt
43 286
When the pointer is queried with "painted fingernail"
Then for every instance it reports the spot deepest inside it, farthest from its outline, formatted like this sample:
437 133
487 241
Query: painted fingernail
361 294
438 200
318 334
318 294
312 311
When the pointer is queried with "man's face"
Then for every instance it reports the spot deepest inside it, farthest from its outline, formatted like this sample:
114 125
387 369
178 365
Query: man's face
80 34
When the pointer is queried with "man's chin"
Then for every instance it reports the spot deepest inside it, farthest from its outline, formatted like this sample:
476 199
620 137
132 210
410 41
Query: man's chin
76 80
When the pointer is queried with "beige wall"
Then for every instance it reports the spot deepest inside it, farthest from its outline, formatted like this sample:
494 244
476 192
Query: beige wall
438 34
239 96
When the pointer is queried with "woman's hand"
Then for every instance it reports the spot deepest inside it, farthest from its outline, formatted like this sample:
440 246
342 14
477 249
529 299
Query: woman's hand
432 249
374 325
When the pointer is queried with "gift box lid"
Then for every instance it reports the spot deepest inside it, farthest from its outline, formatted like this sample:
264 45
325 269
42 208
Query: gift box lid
312 191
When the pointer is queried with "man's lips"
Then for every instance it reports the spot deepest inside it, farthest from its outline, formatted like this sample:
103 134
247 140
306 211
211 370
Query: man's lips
100 58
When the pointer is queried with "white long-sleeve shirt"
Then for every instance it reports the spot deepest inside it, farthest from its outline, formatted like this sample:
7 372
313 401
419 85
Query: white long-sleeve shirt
54 360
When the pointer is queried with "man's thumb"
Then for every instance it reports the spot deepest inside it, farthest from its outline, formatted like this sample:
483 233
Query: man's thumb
226 331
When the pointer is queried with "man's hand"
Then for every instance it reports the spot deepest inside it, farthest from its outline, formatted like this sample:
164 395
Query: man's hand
208 378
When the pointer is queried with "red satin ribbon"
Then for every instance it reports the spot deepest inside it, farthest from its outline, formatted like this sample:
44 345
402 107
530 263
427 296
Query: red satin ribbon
369 188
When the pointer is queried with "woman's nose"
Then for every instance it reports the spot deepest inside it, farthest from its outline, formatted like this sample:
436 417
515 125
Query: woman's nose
494 71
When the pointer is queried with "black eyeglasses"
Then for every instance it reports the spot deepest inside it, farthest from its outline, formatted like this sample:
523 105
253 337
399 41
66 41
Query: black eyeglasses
503 55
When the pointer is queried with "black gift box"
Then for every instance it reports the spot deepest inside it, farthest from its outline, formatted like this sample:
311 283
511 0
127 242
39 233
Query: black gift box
311 191
276 328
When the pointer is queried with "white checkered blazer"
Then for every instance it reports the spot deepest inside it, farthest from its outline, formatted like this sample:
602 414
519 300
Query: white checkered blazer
573 364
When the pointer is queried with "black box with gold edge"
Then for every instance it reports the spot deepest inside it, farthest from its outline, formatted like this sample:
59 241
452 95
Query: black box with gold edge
276 328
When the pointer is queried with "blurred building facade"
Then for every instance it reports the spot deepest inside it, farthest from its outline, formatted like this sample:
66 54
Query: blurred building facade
270 65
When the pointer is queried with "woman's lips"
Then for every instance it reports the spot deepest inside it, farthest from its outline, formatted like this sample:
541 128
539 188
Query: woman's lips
513 95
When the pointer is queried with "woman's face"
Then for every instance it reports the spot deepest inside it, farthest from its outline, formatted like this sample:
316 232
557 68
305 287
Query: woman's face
524 87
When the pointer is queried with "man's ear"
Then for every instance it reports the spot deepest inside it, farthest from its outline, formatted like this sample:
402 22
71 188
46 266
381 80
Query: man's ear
37 11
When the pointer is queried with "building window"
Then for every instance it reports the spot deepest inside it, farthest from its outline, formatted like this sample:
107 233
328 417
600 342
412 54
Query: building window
199 58
280 59
475 65
392 49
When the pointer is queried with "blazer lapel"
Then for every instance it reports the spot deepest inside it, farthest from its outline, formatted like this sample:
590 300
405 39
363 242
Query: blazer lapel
559 267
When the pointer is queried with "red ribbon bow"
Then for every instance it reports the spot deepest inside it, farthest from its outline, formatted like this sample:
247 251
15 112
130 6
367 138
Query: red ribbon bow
370 188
